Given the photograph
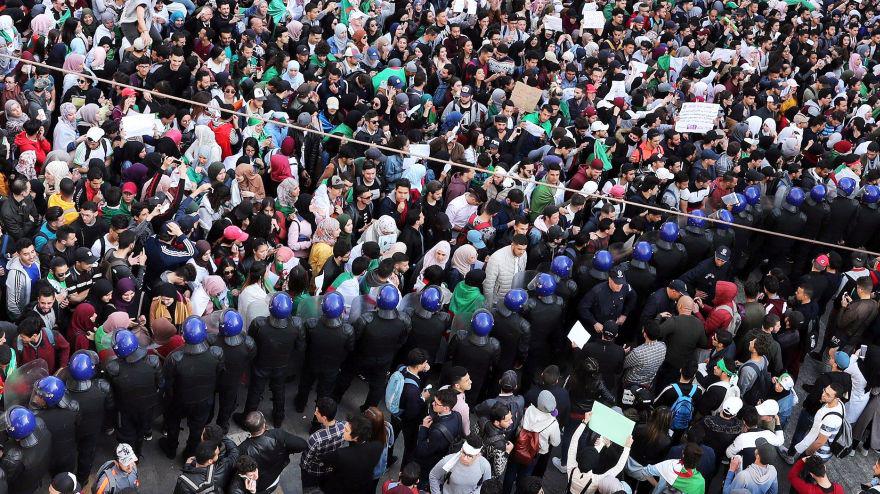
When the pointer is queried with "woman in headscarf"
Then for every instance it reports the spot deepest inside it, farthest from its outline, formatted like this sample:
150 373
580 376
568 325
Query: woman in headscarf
132 152
88 117
384 227
468 296
125 297
293 75
249 182
299 230
15 117
53 173
209 296
170 304
345 228
164 340
65 137
203 261
436 256
100 296
8 33
253 289
322 244
279 170
81 331
204 137
462 261
26 164
855 65
339 42
74 62
584 466
767 135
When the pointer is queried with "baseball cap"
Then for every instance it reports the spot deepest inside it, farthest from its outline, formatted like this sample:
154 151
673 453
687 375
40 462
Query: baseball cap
591 88
395 81
476 239
679 286
723 253
128 91
95 133
766 450
302 50
732 405
786 381
822 261
372 54
664 174
336 182
467 91
598 126
235 233
65 482
767 408
259 94
841 359
332 103
375 154
509 380
617 276
129 187
610 328
83 254
139 44
617 191
125 454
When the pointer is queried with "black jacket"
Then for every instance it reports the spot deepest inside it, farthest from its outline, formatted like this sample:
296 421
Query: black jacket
221 471
20 219
352 468
271 450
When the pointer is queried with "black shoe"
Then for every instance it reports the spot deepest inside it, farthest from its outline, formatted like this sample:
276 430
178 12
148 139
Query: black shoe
299 406
166 448
238 418
148 436
392 460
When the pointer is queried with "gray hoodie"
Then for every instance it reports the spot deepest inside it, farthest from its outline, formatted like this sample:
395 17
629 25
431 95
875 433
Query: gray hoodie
755 479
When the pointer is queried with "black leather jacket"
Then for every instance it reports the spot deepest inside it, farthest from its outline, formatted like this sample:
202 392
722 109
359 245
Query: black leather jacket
271 450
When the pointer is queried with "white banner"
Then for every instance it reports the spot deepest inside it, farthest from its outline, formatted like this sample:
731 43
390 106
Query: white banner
698 118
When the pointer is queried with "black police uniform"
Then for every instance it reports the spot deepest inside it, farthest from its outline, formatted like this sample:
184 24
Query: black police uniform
135 380
238 353
842 210
95 398
191 375
697 243
276 343
62 421
428 329
479 355
742 239
26 468
513 333
669 259
327 343
817 214
778 250
864 226
544 315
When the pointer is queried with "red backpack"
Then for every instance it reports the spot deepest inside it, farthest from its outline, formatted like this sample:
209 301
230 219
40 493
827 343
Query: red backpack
527 445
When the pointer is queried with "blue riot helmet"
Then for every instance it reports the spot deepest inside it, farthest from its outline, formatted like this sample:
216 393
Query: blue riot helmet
603 261
726 217
388 298
431 299
21 424
81 366
846 186
871 194
546 285
817 193
482 322
669 231
643 252
696 220
516 299
561 266
333 305
231 323
51 389
195 334
753 195
125 343
741 203
794 199
280 306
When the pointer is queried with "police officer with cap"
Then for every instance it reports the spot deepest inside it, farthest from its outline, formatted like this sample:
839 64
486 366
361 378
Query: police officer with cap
328 341
379 335
669 255
867 219
276 337
26 459
703 276
476 351
696 238
512 330
663 302
842 210
135 377
587 274
611 301
61 415
190 381
429 324
95 398
239 350
789 220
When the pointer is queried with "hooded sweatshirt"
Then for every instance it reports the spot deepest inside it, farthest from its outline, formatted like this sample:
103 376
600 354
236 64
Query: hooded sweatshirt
716 316
540 419
755 479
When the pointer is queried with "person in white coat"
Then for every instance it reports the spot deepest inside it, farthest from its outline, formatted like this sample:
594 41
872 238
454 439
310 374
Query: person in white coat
541 419
580 463
502 268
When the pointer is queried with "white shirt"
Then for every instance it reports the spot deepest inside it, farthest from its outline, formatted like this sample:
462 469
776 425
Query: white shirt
826 422
96 247
459 211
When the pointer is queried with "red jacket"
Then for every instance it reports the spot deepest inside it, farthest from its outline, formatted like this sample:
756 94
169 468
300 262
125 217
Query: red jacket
715 317
56 356
41 147
801 486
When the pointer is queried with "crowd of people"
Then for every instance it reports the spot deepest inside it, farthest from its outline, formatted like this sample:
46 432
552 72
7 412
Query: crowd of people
204 199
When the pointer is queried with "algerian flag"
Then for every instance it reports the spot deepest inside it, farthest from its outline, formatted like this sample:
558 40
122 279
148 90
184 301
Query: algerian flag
663 62
277 10
805 3
600 151
386 73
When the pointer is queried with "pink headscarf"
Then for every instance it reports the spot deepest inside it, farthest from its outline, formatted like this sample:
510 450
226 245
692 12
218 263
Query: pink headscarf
174 135
42 24
116 320
96 58
214 285
74 62
279 168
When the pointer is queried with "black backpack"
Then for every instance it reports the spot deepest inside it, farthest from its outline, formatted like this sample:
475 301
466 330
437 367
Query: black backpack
455 443
760 388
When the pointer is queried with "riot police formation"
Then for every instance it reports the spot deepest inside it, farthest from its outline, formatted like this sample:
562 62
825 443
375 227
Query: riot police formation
787 220
429 325
328 341
640 274
275 337
379 335
238 349
477 351
135 377
62 418
28 452
95 399
863 230
512 331
696 239
841 212
669 253
545 315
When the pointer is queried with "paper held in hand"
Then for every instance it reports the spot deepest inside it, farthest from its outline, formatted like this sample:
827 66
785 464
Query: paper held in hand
578 335
138 124
698 118
608 423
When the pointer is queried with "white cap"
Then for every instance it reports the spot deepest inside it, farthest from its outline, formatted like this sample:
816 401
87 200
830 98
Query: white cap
732 405
125 454
95 133
598 126
664 174
332 103
768 408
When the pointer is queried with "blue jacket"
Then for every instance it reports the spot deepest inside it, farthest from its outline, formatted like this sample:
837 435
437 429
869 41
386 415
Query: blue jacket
162 257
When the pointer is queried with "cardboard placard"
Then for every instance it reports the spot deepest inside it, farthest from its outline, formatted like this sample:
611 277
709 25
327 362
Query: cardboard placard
525 97
608 423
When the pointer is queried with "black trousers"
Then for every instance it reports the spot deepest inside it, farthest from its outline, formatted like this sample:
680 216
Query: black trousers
133 425
374 373
228 397
326 380
197 416
275 378
86 455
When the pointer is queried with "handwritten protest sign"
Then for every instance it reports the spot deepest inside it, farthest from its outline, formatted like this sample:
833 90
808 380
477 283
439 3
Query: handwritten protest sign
697 118
553 23
138 124
593 20
525 97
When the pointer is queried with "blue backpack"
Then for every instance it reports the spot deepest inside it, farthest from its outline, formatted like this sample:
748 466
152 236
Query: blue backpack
683 408
394 390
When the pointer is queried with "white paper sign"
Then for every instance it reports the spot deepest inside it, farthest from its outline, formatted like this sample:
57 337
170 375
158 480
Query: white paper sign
417 152
618 90
723 54
593 20
578 335
698 118
535 130
138 124
553 23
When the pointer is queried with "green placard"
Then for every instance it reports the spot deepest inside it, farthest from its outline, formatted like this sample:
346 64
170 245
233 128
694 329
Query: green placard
611 424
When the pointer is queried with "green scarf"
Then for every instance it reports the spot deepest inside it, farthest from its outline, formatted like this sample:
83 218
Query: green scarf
466 300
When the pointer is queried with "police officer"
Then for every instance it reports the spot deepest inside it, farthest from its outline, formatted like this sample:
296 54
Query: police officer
588 276
611 301
864 225
669 255
379 335
238 352
26 459
327 341
61 416
843 209
190 376
790 220
708 272
95 399
429 324
817 211
276 338
135 377
566 287
512 331
476 351
742 237
723 234
696 238
545 316
640 275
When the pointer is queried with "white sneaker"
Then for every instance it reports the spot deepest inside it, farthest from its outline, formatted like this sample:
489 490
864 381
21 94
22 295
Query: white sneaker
557 462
